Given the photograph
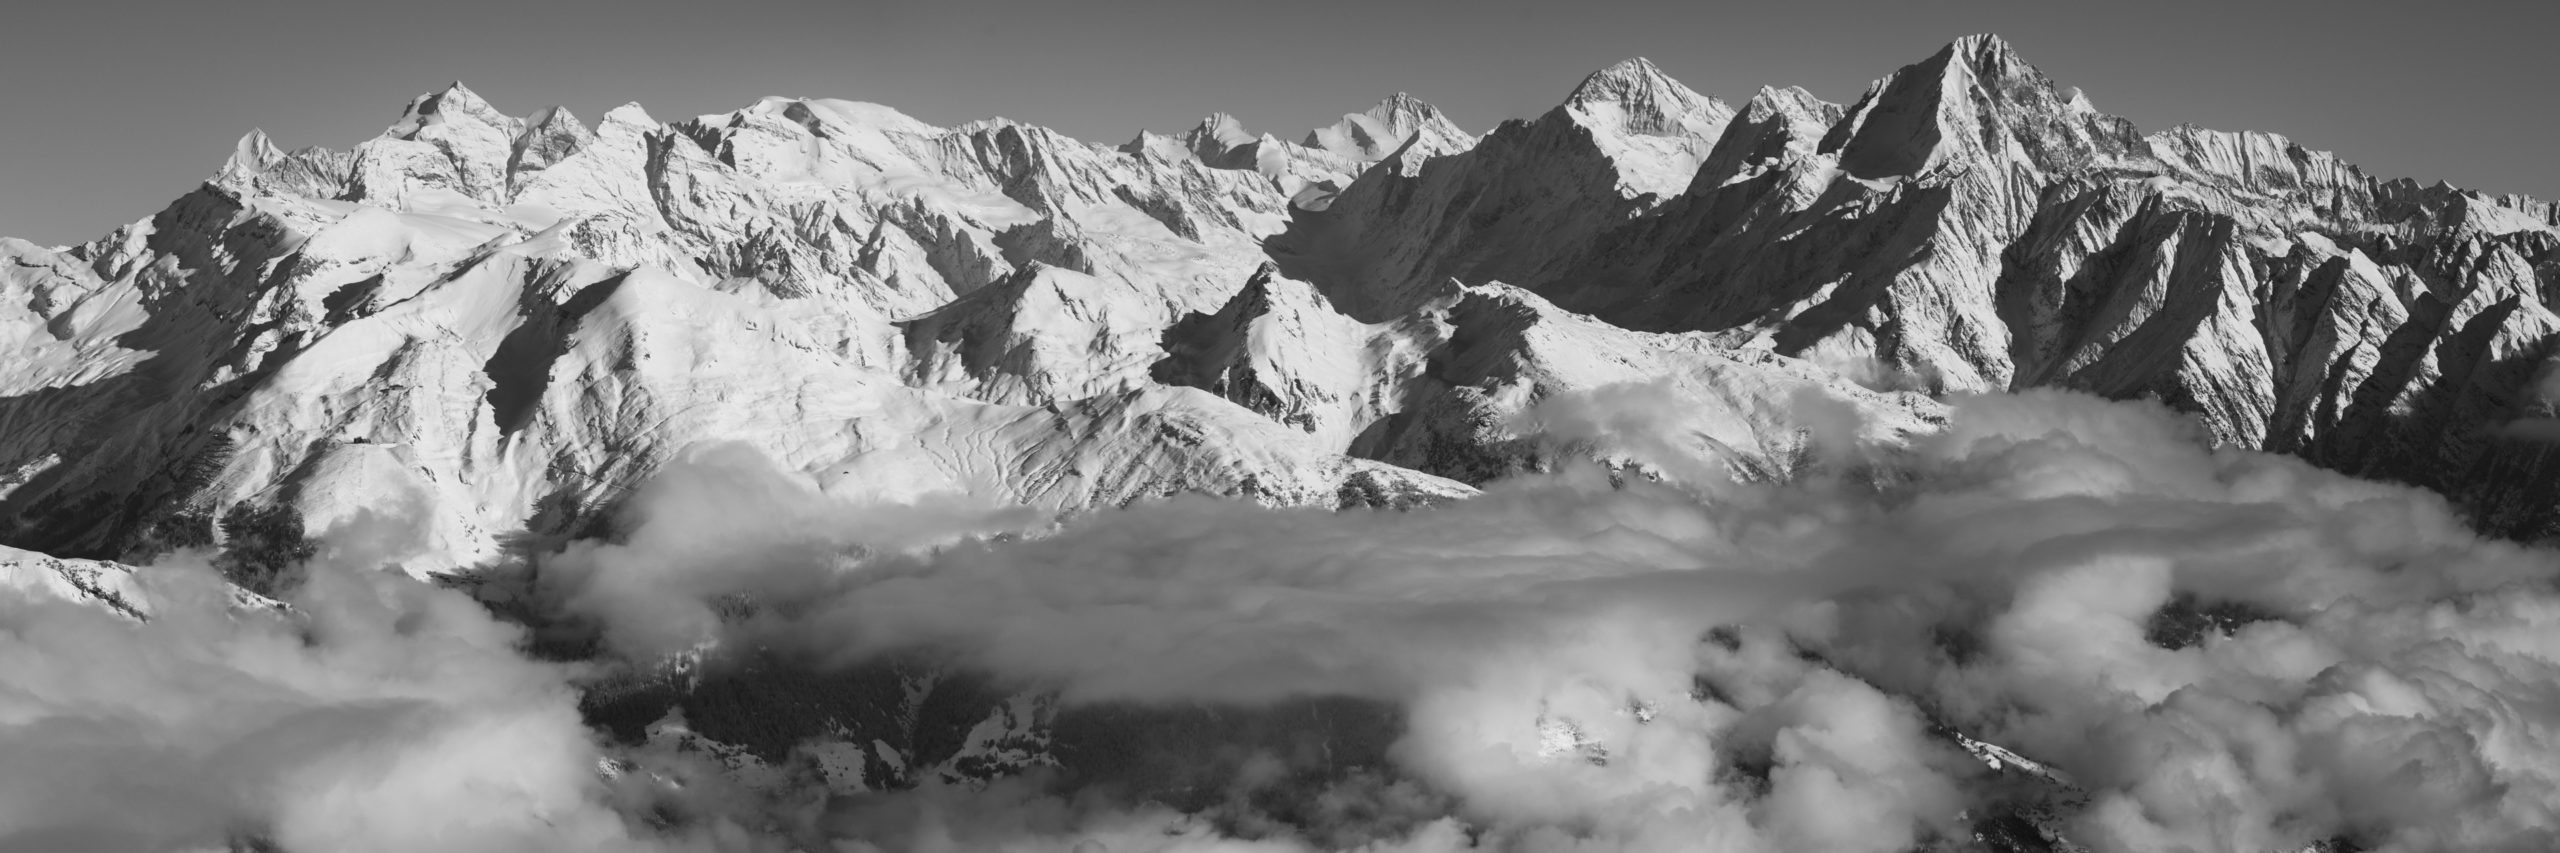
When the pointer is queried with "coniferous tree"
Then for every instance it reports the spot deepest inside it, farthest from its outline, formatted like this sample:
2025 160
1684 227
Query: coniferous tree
263 547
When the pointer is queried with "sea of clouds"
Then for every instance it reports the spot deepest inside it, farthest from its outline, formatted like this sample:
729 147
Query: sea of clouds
1655 657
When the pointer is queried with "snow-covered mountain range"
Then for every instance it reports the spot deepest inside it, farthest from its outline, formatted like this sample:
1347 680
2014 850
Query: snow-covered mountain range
478 330
504 322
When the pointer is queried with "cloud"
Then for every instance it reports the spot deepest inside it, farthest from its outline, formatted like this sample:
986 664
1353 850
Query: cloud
2001 578
1543 638
723 524
2376 706
1575 661
376 714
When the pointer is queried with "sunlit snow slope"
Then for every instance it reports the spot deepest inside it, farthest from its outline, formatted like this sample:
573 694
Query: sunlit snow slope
488 327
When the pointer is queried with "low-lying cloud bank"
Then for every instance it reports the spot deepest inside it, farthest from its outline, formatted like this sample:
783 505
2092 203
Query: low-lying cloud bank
2210 650
379 715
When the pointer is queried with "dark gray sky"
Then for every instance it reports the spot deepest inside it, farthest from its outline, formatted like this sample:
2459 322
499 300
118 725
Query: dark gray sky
111 109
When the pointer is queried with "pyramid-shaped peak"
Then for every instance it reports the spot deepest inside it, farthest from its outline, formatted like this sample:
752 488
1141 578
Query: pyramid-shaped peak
257 145
553 116
1636 97
253 154
1406 115
1400 121
1983 60
1988 56
440 106
1405 106
1982 44
1771 101
1630 80
455 98
555 120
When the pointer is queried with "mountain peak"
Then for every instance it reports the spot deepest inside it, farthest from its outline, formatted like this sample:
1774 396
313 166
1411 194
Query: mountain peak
1222 127
257 147
1221 140
631 114
1378 132
1980 44
1647 101
1988 56
456 98
252 155
437 107
1406 115
1771 102
1971 99
1627 78
1403 106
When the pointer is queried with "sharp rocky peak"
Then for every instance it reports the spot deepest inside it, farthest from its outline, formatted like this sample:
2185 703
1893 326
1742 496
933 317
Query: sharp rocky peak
1402 109
1624 80
1400 122
554 121
444 105
1227 130
1650 100
1986 53
1793 101
1995 66
1975 99
1985 59
255 149
1221 140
